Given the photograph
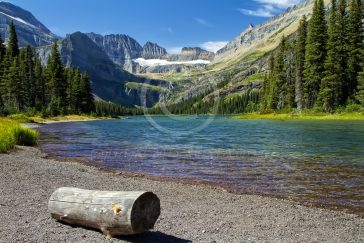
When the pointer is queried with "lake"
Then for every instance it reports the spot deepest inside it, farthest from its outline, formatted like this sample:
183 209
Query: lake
313 162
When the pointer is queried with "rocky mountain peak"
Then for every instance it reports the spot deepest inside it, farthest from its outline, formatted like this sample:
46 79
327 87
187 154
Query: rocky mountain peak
195 53
121 49
153 51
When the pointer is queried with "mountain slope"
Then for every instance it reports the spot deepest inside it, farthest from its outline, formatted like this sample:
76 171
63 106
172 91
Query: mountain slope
108 79
241 64
30 31
121 49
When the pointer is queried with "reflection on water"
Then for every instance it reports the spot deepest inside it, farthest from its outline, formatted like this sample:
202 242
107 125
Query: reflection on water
315 162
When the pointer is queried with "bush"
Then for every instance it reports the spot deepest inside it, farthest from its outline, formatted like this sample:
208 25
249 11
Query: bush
21 118
25 136
12 134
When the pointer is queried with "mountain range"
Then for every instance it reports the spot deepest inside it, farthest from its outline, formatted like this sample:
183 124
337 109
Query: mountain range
119 66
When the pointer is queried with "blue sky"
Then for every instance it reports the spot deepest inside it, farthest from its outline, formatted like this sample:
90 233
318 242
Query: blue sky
170 23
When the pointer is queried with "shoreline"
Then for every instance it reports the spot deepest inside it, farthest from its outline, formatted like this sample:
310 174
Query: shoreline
304 117
189 212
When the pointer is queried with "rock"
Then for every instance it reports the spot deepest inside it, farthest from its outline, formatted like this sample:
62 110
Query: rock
153 51
121 49
253 34
193 53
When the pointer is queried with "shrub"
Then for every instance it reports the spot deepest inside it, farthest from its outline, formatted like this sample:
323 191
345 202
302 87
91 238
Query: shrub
21 118
25 136
12 134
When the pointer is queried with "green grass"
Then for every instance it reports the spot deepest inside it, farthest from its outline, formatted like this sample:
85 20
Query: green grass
12 134
255 77
308 116
138 86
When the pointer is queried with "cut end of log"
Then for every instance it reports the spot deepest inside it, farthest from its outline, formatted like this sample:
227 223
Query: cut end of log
145 212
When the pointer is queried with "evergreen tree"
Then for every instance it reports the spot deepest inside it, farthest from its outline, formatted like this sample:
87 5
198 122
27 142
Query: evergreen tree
13 47
290 102
271 88
2 84
315 54
279 96
332 93
17 90
300 62
329 93
26 68
40 92
360 92
56 82
86 97
355 44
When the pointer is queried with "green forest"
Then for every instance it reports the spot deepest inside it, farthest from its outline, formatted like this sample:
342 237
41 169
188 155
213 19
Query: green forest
318 69
28 86
322 67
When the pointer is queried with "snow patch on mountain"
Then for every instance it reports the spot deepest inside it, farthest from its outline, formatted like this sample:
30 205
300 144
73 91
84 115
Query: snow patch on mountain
159 62
19 20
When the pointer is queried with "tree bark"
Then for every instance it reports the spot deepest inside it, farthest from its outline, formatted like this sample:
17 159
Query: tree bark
114 213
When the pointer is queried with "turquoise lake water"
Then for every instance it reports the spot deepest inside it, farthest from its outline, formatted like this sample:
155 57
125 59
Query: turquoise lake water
313 162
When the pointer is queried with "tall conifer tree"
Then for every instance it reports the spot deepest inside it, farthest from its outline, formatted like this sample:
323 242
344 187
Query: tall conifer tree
300 62
281 89
355 45
56 82
315 54
13 47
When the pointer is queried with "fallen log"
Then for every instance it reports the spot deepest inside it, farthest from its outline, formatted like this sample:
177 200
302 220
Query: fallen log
114 213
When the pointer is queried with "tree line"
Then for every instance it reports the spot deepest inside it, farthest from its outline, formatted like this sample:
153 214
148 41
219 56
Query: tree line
322 68
26 85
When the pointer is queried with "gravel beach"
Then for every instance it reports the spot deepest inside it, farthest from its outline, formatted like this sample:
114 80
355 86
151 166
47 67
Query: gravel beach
189 212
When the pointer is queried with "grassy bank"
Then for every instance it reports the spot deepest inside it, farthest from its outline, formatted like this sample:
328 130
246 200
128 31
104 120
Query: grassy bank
40 119
12 134
304 116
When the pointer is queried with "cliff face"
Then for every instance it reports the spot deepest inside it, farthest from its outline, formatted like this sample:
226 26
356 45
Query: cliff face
192 54
153 51
265 31
30 31
121 49
108 79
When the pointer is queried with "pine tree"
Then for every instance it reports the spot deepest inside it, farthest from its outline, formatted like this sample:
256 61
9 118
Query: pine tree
87 99
279 96
355 45
2 84
315 54
26 68
40 87
360 92
271 88
290 54
56 82
332 94
13 48
329 93
300 62
17 90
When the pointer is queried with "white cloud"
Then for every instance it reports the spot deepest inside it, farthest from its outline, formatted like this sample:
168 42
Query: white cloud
203 22
260 12
269 8
279 3
213 46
